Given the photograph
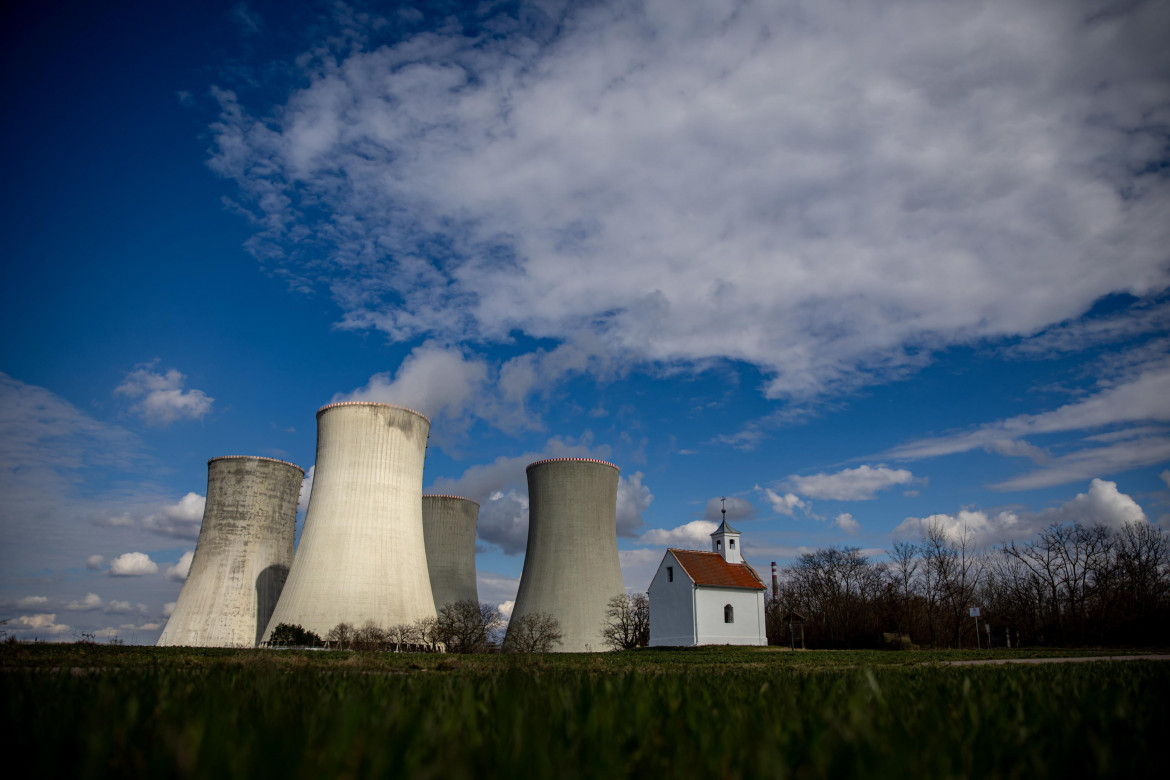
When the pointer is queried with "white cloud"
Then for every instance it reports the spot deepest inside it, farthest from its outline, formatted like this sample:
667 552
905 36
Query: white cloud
737 508
119 607
182 567
695 535
506 608
783 504
181 519
160 398
169 608
90 602
503 521
45 623
95 562
638 567
433 380
633 498
133 564
495 588
847 523
859 484
31 601
587 174
1102 504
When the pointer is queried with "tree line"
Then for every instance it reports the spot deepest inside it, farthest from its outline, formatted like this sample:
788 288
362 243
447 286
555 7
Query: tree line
1070 585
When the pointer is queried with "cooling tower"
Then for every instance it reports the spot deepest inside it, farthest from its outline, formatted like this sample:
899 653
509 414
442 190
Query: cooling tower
243 554
571 568
449 528
362 554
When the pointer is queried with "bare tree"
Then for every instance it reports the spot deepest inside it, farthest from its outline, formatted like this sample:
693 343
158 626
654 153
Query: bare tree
371 638
426 632
401 634
627 621
533 632
467 626
341 636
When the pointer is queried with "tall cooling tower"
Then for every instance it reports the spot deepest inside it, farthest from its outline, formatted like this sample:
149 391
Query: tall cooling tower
571 568
449 528
362 554
243 554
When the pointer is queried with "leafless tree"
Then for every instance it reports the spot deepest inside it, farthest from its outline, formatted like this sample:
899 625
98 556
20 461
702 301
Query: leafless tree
533 632
371 638
402 634
341 636
627 621
467 626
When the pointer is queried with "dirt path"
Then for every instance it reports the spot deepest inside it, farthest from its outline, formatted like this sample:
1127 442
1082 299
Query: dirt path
1079 659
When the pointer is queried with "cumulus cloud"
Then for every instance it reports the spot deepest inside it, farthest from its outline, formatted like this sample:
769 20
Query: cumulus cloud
588 170
859 484
633 498
119 607
1102 504
133 564
695 535
503 521
95 562
182 567
847 523
45 623
783 504
181 519
169 608
160 398
638 567
90 602
31 601
737 508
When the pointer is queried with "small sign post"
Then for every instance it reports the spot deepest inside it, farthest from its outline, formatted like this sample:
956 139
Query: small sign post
975 614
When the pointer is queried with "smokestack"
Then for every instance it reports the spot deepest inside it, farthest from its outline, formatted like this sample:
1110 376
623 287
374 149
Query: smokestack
571 568
242 556
775 582
449 529
362 554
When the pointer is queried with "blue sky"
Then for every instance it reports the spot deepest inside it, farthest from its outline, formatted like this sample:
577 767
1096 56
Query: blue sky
851 267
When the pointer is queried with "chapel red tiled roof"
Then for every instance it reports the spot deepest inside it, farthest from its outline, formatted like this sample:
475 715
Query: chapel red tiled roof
709 568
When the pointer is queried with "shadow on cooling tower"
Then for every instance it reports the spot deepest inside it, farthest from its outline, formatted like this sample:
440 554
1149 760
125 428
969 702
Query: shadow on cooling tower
268 587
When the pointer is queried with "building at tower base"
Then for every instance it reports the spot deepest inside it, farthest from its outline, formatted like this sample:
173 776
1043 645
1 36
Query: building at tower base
571 567
242 556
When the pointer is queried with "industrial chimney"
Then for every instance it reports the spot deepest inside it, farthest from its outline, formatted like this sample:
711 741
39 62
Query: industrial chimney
571 568
243 554
449 529
362 554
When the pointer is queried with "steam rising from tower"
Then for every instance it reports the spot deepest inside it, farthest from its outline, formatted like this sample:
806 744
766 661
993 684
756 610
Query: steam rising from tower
571 567
362 554
243 554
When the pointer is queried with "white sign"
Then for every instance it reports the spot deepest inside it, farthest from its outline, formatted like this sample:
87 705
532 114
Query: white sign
975 612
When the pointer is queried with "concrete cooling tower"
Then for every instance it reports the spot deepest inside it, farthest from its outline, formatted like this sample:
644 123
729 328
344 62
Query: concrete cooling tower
362 554
571 568
449 528
243 554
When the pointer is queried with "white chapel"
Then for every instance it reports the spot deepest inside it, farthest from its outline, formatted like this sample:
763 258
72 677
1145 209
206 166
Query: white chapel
707 598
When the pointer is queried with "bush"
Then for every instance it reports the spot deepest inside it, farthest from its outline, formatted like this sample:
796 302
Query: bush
289 635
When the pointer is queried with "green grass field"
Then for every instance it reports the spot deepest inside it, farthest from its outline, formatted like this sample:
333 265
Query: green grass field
91 711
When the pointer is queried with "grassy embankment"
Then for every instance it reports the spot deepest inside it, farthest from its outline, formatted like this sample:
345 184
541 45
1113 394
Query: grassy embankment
100 711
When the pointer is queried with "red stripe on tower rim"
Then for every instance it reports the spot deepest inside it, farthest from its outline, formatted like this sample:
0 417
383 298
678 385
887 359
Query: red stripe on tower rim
443 495
254 457
372 403
574 460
